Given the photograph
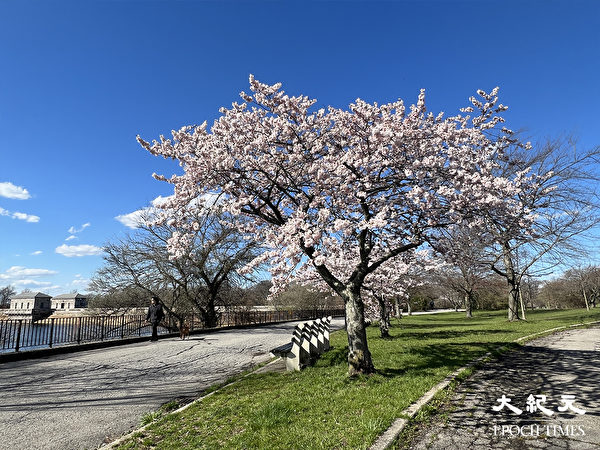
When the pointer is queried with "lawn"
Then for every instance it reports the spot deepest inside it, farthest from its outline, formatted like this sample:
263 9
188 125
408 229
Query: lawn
321 407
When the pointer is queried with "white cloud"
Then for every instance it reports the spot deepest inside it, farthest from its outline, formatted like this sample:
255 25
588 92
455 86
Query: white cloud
133 219
19 215
74 230
22 277
142 216
20 271
78 250
136 218
37 252
70 238
26 217
80 282
9 190
31 283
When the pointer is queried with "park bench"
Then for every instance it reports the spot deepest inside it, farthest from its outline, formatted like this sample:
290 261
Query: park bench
309 340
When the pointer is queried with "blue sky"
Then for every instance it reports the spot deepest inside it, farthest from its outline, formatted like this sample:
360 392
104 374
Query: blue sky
79 80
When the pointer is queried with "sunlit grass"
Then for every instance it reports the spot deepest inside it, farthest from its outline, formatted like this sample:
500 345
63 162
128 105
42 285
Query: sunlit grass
321 407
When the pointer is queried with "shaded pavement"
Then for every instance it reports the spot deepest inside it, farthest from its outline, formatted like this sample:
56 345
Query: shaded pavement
548 368
80 400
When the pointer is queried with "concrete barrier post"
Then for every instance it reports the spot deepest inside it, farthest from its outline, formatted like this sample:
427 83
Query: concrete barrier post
327 325
298 357
314 339
320 329
306 345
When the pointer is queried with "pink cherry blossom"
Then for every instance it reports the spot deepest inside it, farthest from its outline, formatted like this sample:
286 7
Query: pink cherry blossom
339 193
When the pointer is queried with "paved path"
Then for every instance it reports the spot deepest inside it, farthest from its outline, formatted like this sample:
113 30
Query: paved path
567 363
81 400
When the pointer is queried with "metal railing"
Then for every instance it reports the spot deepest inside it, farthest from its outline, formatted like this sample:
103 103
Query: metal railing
18 334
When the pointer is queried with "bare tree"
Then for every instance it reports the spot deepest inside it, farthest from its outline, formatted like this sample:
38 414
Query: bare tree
298 296
581 285
5 294
464 250
561 199
592 284
199 281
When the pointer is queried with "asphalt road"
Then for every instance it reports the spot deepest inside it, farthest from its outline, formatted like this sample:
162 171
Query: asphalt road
567 363
82 400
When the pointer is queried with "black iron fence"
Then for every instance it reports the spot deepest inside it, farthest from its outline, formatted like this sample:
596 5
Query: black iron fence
18 334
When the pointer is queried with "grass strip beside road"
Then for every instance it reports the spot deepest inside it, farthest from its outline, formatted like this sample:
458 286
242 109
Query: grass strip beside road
321 407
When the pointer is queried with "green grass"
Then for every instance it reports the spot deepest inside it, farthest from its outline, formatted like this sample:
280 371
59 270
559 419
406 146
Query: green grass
321 407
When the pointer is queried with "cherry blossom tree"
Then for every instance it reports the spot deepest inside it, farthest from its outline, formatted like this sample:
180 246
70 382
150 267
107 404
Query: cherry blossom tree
340 192
380 289
464 250
385 288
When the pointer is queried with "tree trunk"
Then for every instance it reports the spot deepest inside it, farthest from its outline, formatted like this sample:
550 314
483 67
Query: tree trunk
522 304
397 310
513 287
587 304
384 318
592 298
513 303
359 356
209 314
469 305
408 309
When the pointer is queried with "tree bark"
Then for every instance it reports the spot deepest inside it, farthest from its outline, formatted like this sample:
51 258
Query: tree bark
587 304
513 303
209 313
211 318
513 287
384 318
469 305
359 356
522 304
397 310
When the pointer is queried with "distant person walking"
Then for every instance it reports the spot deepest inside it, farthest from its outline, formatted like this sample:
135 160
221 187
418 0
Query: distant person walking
154 316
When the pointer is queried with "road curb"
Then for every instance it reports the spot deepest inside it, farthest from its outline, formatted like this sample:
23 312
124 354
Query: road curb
389 436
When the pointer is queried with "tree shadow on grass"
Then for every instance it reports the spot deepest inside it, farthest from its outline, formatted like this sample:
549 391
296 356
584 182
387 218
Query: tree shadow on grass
442 334
420 325
432 357
333 357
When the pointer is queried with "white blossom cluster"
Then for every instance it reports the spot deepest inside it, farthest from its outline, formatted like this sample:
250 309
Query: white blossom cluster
348 194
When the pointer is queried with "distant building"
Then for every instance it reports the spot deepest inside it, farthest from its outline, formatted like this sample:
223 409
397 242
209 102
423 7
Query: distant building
30 305
37 305
66 302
